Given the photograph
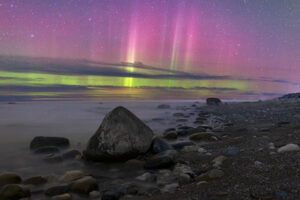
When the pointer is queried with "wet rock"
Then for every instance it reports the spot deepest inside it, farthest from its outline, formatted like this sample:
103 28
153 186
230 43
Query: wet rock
161 160
282 195
62 197
180 145
36 180
84 185
218 161
57 190
163 106
46 150
184 173
184 179
205 136
212 174
288 148
159 145
72 175
40 141
147 177
9 178
178 114
94 194
232 151
14 192
72 154
121 136
170 135
213 101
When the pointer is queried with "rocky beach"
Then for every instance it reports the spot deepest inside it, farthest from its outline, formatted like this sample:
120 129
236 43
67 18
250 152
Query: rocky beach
187 150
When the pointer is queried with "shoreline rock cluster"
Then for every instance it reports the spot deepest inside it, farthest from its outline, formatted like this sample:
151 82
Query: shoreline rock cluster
219 144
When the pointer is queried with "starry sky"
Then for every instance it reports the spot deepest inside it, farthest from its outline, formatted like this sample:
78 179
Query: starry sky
130 48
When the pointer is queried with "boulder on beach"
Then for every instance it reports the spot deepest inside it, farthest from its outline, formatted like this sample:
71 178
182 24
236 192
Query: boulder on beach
40 141
121 136
213 101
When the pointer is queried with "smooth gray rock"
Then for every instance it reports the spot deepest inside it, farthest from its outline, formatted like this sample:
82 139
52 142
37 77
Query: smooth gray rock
36 180
121 136
57 190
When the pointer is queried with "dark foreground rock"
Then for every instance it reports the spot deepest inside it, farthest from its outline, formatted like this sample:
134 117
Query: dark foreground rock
162 160
121 136
39 142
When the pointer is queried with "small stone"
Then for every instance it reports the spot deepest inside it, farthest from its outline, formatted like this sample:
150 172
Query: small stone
271 145
193 148
202 182
288 148
212 174
180 145
257 163
205 136
160 145
36 180
147 177
62 197
184 179
72 154
170 135
72 175
232 151
163 106
111 195
218 161
57 190
170 188
9 178
14 192
162 160
282 195
94 194
84 185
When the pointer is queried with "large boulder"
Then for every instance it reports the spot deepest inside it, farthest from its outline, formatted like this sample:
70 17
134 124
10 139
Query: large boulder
41 141
213 101
121 136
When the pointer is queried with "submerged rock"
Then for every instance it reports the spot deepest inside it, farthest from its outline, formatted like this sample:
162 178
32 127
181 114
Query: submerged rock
46 150
72 154
213 101
121 136
205 136
181 145
57 190
14 192
9 178
41 141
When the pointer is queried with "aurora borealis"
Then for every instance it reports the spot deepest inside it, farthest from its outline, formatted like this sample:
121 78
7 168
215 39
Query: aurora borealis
148 49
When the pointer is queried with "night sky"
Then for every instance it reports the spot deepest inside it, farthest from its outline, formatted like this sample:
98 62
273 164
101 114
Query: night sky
227 48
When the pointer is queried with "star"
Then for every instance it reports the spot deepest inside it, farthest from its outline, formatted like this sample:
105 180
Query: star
90 19
32 35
